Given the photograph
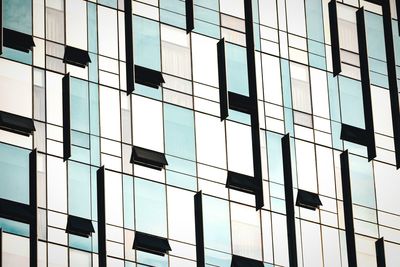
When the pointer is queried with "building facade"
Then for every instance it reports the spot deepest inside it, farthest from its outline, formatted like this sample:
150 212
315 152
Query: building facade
199 133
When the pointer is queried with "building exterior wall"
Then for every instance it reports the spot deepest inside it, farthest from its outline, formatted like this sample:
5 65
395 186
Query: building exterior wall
259 107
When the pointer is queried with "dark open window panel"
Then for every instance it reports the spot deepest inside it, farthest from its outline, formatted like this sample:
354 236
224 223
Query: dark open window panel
18 40
151 244
148 158
239 261
16 123
79 226
148 77
240 182
76 57
308 200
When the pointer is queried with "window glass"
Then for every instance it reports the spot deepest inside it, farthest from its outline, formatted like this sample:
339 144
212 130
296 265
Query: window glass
128 202
55 20
331 246
147 123
107 31
274 153
300 87
296 17
236 69
14 176
150 207
113 197
387 184
110 3
347 28
351 102
15 250
216 224
272 79
206 17
147 43
315 20
205 60
79 258
210 140
181 225
172 12
239 145
16 90
56 184
311 243
362 181
246 232
79 189
233 7
76 18
110 113
305 158
279 234
79 105
18 15
179 132
176 52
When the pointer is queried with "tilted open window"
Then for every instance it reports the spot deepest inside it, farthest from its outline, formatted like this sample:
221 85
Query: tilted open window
148 158
76 57
16 124
18 40
151 244
79 226
308 200
148 77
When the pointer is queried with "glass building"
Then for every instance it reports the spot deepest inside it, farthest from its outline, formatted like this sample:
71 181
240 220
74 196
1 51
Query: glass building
199 133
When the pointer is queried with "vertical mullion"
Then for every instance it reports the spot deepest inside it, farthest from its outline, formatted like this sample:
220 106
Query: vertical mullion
348 209
198 214
289 200
365 82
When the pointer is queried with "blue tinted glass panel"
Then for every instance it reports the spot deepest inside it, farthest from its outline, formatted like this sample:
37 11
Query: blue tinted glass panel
216 224
79 189
147 43
14 227
80 242
92 28
351 102
14 175
179 132
314 20
17 55
151 259
110 3
17 15
236 69
150 207
79 105
216 258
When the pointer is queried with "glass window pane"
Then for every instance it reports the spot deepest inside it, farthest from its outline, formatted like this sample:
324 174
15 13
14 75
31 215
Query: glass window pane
240 152
79 105
246 232
79 189
205 60
18 15
274 153
110 113
113 198
76 18
362 181
147 43
216 224
107 31
351 102
16 90
14 175
150 207
236 69
179 132
210 140
15 250
181 225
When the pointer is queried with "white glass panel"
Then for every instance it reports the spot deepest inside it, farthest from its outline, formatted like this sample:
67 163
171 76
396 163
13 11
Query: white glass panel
16 88
113 197
210 140
246 232
76 19
110 113
108 34
147 123
205 64
15 250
